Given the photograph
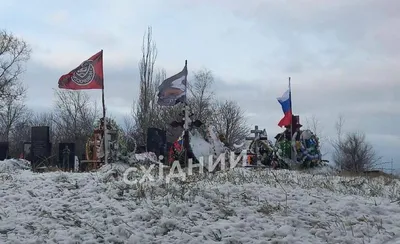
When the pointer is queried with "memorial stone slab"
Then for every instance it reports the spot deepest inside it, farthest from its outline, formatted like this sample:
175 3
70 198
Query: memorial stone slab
40 145
66 156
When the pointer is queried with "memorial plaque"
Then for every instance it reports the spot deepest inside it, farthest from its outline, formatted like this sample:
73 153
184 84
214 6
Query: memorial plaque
40 149
66 150
40 154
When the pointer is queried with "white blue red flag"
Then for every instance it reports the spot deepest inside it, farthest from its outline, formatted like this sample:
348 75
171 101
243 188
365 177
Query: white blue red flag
286 102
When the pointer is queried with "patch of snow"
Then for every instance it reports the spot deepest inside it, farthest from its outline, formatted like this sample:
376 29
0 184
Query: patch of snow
200 147
236 206
13 165
150 156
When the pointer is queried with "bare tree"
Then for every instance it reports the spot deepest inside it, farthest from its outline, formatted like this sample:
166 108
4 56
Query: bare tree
339 127
128 126
14 53
74 118
13 115
352 152
201 94
43 119
12 112
145 113
229 120
21 129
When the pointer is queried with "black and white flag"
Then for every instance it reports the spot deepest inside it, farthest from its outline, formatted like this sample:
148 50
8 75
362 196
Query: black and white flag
173 90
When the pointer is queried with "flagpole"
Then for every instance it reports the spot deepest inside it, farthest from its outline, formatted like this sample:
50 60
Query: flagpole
290 95
186 125
292 154
104 123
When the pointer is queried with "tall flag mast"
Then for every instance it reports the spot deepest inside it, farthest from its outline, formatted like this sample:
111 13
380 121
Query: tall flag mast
88 75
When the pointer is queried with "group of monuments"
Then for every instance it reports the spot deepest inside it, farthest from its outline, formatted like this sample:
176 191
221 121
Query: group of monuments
106 144
293 148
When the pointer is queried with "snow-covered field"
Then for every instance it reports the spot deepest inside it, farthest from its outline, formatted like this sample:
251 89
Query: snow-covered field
238 206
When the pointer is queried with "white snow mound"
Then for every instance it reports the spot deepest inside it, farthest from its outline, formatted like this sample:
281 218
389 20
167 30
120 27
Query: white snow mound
13 165
237 206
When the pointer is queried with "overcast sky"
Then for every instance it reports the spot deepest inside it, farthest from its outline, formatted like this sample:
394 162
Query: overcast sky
343 56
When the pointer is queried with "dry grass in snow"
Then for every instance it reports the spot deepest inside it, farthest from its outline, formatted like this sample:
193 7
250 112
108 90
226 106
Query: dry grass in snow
237 206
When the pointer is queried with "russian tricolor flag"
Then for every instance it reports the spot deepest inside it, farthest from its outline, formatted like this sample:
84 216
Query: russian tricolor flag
286 102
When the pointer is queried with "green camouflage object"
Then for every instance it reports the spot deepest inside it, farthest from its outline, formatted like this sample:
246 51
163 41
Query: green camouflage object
285 148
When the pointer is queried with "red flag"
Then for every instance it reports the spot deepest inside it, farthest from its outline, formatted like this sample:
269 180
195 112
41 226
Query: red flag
88 75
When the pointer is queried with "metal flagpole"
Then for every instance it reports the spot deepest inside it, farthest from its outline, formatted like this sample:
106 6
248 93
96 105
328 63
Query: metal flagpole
186 124
292 154
104 123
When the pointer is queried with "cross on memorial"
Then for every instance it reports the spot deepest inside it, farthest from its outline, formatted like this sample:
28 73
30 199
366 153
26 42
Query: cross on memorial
258 135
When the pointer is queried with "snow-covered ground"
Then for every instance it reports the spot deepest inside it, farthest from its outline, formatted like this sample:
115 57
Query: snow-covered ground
238 206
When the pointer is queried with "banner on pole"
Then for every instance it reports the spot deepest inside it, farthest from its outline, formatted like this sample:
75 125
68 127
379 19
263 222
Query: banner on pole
173 89
88 75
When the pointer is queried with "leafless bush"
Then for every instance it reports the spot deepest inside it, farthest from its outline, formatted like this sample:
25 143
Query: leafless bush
352 152
230 121
74 118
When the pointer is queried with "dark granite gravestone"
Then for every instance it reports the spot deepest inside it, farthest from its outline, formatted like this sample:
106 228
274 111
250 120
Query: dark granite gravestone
40 133
3 150
40 146
156 141
66 156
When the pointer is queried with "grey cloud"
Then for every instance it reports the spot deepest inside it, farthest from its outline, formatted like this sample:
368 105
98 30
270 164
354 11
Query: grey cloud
300 17
100 37
318 35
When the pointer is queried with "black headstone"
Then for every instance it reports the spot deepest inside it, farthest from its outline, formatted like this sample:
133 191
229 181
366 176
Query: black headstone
63 148
3 150
40 145
156 141
40 133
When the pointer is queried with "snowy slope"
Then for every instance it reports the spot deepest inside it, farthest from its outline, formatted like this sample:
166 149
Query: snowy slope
239 206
